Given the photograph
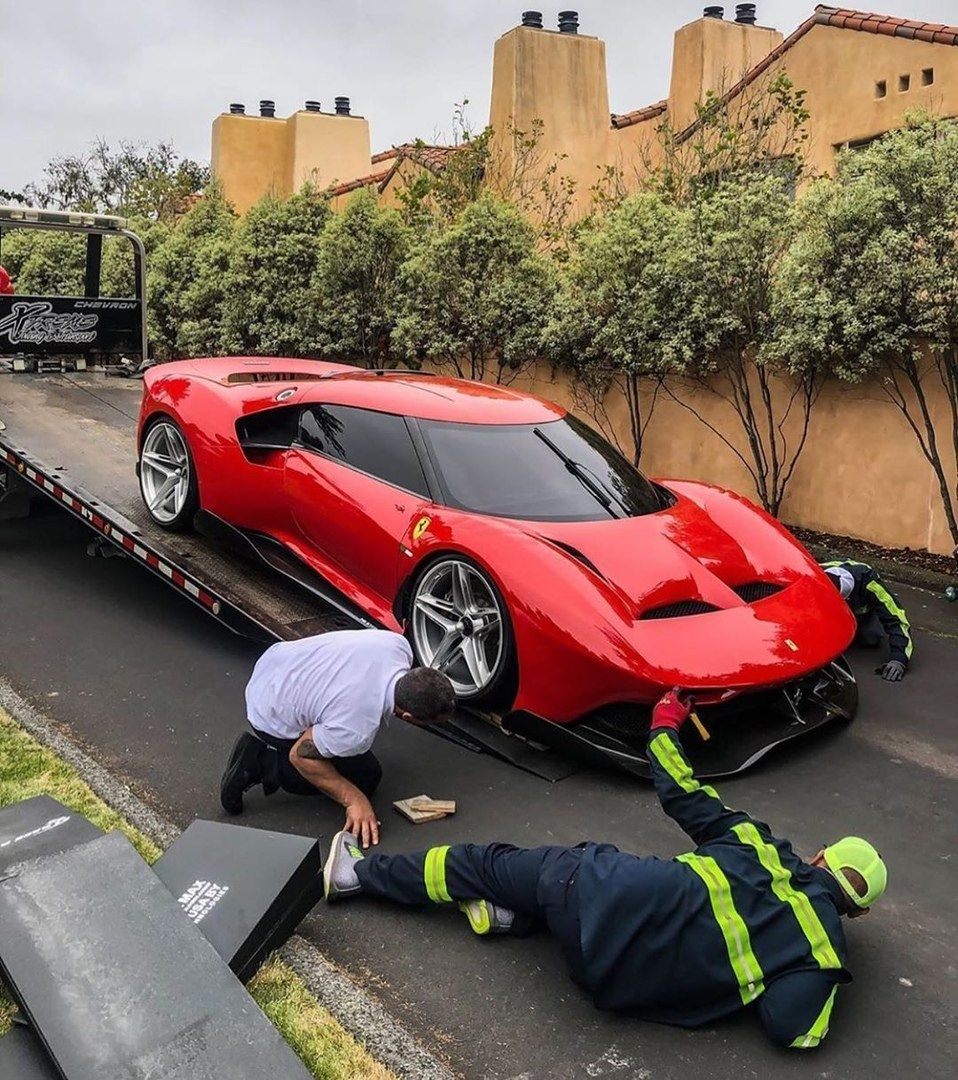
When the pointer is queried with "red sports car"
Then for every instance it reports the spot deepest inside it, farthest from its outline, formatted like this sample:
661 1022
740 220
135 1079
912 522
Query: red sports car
522 554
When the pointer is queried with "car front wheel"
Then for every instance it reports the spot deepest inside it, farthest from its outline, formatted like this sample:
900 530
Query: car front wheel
167 476
459 624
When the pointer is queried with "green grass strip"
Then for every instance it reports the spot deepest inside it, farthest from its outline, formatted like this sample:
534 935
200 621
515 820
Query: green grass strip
325 1047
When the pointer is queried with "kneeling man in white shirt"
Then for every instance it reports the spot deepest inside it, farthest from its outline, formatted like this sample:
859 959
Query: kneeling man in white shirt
315 706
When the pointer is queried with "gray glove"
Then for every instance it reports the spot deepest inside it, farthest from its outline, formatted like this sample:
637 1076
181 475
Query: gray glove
893 671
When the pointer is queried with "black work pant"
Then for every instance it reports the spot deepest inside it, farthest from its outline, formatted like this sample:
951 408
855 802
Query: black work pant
363 770
538 884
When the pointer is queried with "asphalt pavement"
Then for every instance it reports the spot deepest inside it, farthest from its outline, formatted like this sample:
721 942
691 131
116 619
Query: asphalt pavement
153 688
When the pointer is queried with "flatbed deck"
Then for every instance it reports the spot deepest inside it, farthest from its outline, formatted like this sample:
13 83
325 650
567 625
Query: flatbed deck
79 431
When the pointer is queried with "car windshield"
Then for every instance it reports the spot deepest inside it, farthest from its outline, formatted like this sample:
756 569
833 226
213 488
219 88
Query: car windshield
556 471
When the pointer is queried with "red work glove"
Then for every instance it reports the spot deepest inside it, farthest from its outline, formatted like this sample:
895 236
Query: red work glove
672 710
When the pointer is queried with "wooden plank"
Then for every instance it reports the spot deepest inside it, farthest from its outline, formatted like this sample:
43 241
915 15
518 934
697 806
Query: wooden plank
404 806
439 806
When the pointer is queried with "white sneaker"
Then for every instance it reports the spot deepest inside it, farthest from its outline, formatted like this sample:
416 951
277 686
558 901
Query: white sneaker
339 872
487 918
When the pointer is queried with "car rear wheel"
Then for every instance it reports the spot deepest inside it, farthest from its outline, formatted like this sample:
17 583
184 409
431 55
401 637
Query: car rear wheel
168 477
460 624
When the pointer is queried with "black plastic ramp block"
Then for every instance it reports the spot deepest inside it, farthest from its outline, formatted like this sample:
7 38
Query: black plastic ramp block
22 1057
40 826
246 889
118 985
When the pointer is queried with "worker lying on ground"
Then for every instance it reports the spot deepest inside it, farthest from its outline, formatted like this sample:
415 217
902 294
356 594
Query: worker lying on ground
315 706
684 941
877 612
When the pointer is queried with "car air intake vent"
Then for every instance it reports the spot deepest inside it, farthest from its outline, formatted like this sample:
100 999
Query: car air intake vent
680 610
578 556
757 590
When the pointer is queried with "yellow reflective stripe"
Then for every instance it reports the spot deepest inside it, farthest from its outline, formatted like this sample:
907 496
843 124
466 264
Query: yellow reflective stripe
823 952
888 602
819 1029
676 766
434 873
745 966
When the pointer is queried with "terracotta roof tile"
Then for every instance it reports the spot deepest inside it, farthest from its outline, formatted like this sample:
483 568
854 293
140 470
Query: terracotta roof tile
847 19
432 157
638 116
354 185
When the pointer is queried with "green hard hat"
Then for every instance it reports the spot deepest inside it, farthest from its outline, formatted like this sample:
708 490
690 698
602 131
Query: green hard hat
853 853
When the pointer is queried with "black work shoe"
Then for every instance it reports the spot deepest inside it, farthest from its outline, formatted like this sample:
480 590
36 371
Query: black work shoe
243 770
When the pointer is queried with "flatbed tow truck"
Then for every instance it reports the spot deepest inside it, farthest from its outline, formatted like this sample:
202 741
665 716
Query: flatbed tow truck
68 412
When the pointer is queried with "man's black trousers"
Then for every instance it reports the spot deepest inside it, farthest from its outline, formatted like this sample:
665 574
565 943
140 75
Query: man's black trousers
538 884
363 770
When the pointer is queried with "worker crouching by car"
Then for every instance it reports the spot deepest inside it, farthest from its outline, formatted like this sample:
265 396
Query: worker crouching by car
740 920
877 612
315 707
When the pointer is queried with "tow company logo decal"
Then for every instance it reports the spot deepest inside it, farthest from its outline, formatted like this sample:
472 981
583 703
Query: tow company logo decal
35 322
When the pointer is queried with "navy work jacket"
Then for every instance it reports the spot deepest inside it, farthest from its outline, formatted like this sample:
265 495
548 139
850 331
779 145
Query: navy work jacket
741 919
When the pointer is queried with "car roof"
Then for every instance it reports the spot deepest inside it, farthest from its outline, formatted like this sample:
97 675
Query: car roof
431 397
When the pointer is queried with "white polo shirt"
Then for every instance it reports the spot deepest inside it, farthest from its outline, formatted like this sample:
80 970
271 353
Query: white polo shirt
341 684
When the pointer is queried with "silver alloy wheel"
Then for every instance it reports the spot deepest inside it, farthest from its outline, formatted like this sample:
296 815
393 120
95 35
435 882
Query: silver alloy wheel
457 625
165 472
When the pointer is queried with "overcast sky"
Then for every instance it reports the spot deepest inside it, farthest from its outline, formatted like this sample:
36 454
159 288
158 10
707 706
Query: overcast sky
73 70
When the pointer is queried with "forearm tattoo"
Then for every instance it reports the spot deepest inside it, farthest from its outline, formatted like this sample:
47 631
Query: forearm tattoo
307 749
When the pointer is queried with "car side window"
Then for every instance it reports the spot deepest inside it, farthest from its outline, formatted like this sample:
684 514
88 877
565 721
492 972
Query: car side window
373 442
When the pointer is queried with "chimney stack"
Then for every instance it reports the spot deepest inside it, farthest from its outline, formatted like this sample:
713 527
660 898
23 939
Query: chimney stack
568 22
237 109
342 106
713 12
745 14
267 107
533 19
313 106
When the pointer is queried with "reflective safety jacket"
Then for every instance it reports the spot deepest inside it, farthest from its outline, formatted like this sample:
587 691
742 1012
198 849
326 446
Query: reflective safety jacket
870 597
741 919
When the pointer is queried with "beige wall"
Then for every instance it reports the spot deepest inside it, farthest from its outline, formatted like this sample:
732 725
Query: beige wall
861 474
838 69
253 155
712 54
249 158
560 80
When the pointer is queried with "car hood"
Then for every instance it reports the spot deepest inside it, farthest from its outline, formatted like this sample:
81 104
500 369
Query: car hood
710 593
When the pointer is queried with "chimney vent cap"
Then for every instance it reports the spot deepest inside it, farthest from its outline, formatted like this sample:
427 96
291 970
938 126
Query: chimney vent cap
745 14
237 108
714 12
533 19
313 106
267 107
342 106
568 22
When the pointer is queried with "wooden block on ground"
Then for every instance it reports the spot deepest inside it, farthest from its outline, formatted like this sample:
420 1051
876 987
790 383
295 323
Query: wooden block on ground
404 806
439 806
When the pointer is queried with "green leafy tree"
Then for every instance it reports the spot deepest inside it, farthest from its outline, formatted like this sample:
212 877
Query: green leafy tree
353 295
733 238
762 129
614 321
870 285
271 268
150 182
45 263
475 297
186 276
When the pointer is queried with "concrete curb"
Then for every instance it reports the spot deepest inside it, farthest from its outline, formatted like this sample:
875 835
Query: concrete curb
359 1013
